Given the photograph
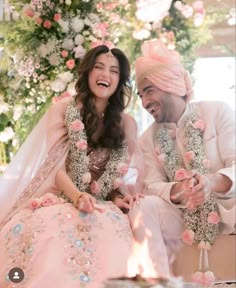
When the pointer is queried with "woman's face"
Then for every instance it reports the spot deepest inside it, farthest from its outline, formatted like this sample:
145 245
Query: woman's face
103 79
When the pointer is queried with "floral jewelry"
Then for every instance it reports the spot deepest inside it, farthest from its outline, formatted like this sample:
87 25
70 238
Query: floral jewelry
202 223
115 168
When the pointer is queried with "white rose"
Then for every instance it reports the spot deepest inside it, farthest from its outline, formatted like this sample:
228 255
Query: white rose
4 107
68 44
79 39
79 52
58 85
42 50
66 76
64 26
77 24
68 2
71 89
7 134
54 59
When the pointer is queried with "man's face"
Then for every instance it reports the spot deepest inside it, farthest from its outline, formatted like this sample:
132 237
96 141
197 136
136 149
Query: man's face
158 103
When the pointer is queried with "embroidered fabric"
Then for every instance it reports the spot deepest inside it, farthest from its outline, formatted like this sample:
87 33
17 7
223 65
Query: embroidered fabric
76 246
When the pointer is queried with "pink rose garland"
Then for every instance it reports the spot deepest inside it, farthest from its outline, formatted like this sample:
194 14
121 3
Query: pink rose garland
47 199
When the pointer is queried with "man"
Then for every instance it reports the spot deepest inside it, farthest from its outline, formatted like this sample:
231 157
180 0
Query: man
183 163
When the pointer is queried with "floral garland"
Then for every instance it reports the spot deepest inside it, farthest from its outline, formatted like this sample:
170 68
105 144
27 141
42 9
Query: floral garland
202 223
115 168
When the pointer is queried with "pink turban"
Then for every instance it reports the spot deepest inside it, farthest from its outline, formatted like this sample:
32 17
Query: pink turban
163 68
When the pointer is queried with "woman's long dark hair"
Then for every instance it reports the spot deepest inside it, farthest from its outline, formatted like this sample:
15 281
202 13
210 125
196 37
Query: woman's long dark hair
113 133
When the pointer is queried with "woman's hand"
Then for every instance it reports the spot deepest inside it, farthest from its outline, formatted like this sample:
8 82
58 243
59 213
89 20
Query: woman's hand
126 203
86 202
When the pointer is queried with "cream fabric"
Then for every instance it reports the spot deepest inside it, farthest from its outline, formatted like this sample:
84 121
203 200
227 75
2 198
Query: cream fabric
156 218
219 145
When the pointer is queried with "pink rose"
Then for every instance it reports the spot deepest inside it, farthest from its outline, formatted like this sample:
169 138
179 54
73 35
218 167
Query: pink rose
49 199
86 178
188 237
122 168
206 163
198 5
96 43
47 24
208 278
64 53
70 64
170 35
39 20
189 156
199 124
181 174
213 218
161 158
204 245
95 187
117 182
57 17
77 125
66 94
34 203
29 13
198 277
81 144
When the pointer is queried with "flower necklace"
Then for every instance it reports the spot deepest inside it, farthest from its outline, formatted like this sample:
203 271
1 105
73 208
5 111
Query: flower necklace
202 223
79 164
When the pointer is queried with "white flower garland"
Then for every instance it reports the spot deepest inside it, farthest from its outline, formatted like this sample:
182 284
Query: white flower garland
79 165
202 223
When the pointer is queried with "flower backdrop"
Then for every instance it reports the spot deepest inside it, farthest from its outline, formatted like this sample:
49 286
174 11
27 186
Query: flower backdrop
42 46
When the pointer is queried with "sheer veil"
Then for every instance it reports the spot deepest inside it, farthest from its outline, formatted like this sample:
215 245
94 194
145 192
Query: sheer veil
33 168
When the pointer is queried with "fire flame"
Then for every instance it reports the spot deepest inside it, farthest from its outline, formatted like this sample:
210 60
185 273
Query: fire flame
140 262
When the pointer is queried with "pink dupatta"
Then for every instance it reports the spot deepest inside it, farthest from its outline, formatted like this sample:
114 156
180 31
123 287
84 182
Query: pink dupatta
32 170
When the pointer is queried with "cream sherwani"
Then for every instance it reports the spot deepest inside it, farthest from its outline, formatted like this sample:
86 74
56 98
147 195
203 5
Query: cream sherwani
157 218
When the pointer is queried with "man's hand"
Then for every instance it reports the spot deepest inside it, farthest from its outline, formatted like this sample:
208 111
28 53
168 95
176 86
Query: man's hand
200 191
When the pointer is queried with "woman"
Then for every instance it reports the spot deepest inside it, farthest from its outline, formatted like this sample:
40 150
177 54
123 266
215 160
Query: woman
56 224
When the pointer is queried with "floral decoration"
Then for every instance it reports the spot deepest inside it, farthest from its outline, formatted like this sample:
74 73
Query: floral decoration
115 168
41 48
201 223
47 199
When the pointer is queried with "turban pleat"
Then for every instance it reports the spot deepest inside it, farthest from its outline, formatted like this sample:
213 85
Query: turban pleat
165 71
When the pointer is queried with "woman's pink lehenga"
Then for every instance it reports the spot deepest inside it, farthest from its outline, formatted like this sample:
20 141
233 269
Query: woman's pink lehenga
57 245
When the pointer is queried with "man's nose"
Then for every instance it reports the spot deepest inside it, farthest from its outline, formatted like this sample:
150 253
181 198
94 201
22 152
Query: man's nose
145 102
